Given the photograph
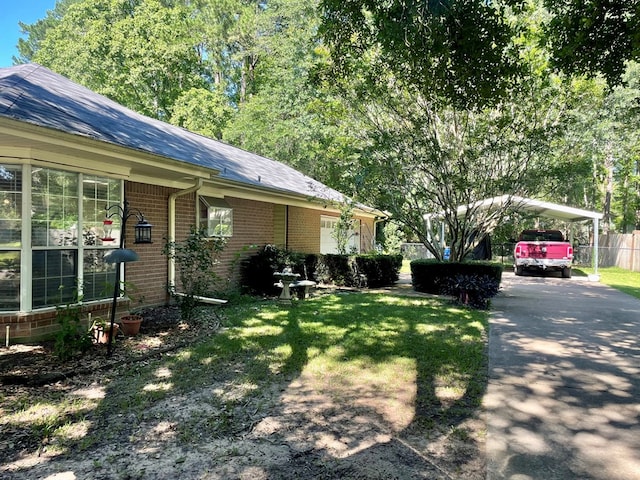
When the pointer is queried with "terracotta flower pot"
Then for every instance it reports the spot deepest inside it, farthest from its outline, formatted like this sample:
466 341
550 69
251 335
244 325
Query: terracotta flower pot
130 324
101 333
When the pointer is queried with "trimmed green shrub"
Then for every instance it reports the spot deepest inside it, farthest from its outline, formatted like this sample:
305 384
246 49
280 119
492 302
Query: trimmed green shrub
337 270
432 276
256 271
380 270
472 290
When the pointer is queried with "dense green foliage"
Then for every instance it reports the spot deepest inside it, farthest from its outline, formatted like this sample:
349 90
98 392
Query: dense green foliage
596 36
379 270
338 269
480 279
72 338
417 108
370 270
194 259
462 51
256 271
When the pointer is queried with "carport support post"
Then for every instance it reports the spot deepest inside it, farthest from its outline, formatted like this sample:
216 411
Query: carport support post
595 277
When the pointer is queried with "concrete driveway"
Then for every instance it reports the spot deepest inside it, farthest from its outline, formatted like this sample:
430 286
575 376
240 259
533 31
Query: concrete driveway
563 400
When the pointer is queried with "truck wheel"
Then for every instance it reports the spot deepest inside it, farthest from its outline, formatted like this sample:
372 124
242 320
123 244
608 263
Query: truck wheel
566 272
519 270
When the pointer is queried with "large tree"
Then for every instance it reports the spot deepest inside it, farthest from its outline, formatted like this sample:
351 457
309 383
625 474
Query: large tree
427 163
600 149
141 53
461 50
594 36
445 134
290 115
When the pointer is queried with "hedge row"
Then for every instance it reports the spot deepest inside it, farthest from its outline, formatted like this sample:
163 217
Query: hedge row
256 271
427 275
472 283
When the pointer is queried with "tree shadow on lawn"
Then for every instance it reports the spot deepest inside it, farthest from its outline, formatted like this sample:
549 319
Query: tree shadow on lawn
388 367
412 368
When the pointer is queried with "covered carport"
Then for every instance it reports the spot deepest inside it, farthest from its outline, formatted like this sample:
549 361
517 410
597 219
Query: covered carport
543 209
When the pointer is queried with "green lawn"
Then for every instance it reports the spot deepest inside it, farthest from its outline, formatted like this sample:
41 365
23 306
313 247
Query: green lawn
624 280
425 351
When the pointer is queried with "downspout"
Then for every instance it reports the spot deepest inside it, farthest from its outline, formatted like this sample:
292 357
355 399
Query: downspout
376 221
171 230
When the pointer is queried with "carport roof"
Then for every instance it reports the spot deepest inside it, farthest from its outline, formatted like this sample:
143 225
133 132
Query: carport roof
539 207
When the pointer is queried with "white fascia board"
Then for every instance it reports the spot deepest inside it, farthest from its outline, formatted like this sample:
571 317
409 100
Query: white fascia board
218 187
540 207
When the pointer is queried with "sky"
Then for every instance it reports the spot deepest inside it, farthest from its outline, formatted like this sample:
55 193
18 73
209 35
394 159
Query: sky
12 12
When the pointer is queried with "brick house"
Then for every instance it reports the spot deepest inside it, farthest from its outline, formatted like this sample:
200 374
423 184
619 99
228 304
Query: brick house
67 152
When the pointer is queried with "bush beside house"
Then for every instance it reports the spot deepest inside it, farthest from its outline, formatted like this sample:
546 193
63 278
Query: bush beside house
472 283
342 270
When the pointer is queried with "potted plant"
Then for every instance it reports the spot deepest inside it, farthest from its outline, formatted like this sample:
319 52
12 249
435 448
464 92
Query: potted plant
130 324
100 329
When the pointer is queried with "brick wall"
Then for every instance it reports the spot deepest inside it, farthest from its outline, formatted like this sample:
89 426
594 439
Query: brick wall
304 230
303 234
149 274
42 325
253 223
252 226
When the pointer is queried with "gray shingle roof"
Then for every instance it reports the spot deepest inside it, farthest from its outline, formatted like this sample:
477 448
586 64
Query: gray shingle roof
32 93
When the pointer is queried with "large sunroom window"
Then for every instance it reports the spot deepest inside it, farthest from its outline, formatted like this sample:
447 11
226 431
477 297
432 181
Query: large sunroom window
50 236
10 235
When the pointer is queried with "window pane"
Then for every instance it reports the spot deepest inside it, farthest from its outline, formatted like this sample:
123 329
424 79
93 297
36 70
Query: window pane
99 193
9 280
55 207
10 233
55 275
98 276
10 205
10 178
220 222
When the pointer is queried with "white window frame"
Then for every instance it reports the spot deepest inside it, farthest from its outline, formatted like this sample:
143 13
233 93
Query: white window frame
26 248
219 217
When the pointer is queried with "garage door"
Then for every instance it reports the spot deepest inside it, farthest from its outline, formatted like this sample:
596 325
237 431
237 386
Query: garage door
328 244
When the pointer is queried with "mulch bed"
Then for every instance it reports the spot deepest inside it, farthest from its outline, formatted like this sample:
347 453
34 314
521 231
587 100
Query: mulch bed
161 331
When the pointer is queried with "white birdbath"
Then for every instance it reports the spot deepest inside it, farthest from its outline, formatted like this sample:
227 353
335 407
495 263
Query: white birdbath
286 276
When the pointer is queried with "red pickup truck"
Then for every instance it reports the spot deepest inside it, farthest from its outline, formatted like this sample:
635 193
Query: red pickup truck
543 250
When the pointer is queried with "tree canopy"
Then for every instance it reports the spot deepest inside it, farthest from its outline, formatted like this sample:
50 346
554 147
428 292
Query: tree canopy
598 36
462 50
414 107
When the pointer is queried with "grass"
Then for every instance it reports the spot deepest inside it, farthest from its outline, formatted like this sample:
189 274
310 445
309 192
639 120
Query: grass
624 280
340 342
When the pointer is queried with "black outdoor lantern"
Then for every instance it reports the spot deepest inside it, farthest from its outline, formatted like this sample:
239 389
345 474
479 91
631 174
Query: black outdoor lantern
142 231
123 255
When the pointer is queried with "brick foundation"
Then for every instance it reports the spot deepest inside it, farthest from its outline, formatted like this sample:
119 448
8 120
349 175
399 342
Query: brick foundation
42 325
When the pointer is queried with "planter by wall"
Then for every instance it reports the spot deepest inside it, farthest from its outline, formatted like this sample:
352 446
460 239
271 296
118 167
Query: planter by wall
100 333
130 324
